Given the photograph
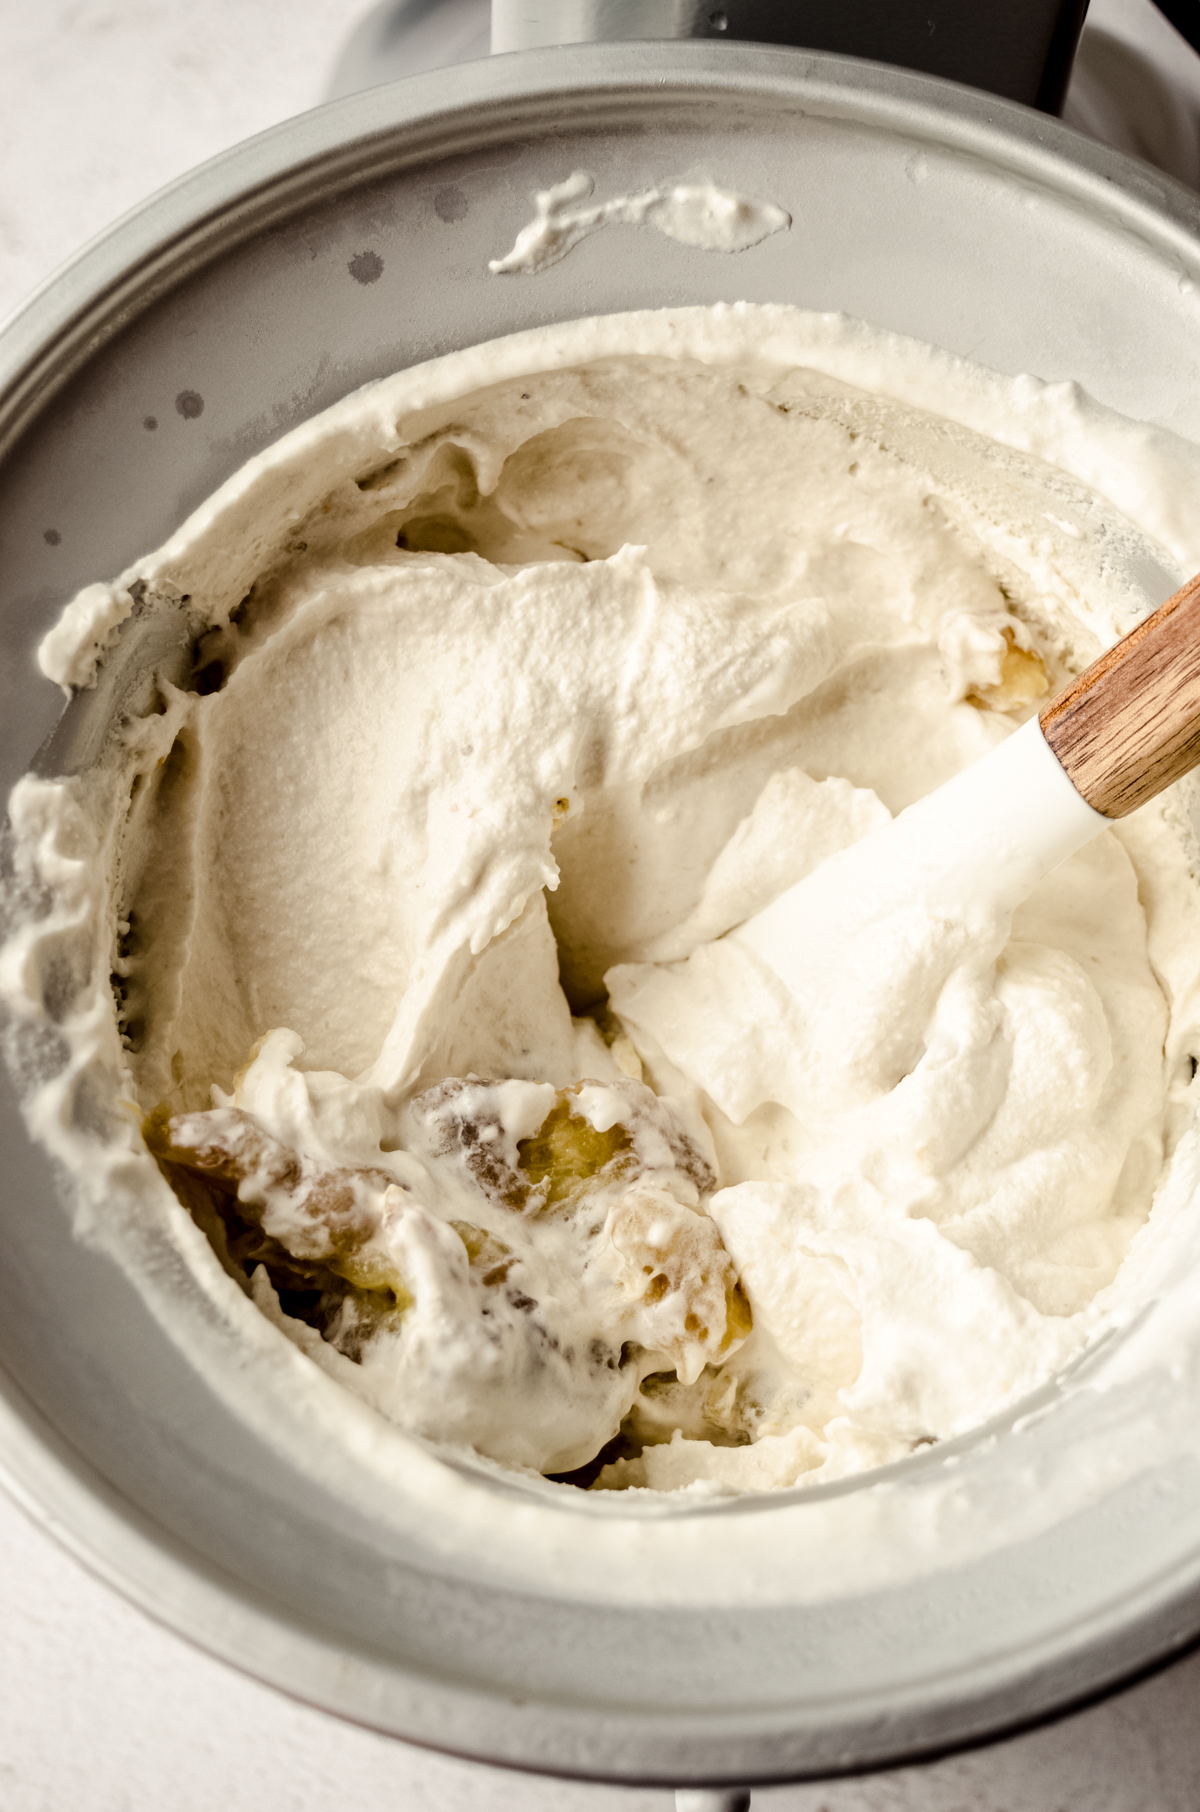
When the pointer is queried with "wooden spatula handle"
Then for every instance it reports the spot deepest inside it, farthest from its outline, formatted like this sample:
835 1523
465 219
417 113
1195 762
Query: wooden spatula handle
1130 725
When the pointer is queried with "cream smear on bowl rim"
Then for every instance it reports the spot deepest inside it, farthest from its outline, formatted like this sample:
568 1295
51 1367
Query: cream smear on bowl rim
1018 519
698 214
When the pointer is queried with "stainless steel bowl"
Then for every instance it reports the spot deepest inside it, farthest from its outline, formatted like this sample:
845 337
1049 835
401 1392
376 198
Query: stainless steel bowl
333 250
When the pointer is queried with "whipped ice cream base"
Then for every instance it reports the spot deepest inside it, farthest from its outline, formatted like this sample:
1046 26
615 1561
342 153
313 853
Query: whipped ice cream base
854 1210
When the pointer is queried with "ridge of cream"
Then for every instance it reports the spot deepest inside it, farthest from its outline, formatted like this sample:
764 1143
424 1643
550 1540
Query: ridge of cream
1150 475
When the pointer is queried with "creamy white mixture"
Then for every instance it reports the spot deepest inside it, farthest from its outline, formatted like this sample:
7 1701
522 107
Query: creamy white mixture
435 889
697 214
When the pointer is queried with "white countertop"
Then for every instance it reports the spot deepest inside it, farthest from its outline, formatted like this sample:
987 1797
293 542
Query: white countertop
101 102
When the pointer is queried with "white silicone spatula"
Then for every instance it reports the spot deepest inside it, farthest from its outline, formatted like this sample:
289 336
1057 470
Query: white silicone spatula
1118 735
1104 745
877 930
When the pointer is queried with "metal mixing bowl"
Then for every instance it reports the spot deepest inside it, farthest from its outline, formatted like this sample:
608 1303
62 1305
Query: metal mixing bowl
331 251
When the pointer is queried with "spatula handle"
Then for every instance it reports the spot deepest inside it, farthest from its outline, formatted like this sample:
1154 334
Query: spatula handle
1130 725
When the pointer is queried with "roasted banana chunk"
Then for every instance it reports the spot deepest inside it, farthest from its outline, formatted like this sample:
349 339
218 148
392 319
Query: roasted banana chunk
329 1218
536 1150
1023 678
690 1306
318 1232
559 1253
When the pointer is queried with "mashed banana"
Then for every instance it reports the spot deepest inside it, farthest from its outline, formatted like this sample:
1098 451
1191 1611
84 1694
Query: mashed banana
512 697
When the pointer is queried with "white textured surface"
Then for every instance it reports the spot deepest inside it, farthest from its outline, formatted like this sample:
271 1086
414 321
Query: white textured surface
102 101
102 1711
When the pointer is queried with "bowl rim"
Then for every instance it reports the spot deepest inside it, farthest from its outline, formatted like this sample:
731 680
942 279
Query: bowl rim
197 219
